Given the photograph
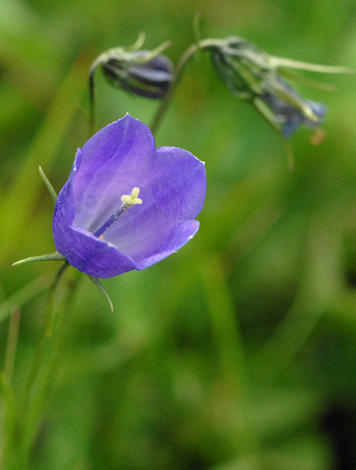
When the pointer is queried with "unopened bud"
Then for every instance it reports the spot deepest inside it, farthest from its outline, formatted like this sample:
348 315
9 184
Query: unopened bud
253 75
140 72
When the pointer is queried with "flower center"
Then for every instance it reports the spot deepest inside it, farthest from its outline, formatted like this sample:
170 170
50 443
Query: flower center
127 202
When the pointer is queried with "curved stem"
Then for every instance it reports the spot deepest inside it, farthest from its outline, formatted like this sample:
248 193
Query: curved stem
186 57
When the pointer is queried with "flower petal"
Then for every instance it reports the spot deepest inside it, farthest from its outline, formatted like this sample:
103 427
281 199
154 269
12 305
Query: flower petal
108 158
81 249
178 236
94 256
172 191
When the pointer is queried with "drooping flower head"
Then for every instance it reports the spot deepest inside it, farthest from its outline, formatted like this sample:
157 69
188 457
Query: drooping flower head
126 204
253 75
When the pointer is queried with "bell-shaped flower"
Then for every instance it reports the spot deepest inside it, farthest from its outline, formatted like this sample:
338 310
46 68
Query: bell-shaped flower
126 204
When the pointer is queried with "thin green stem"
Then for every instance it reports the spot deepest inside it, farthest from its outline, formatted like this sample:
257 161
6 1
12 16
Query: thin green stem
184 60
92 70
188 55
46 377
45 336
36 386
12 344
9 421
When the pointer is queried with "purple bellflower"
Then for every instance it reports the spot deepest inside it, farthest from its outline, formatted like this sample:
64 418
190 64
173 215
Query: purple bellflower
102 227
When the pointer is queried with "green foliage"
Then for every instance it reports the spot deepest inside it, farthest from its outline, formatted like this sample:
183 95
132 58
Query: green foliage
239 351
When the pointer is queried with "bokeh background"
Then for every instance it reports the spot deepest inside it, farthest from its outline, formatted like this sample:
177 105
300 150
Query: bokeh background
238 352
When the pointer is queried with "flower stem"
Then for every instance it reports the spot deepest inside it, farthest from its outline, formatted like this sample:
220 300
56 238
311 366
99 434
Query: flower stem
8 429
186 57
8 423
92 95
12 344
38 381
46 333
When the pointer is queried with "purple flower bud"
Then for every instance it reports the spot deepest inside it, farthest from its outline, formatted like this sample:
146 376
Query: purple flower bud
102 227
138 72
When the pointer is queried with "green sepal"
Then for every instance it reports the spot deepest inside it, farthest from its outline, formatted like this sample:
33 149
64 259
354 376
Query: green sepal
50 257
306 66
48 184
98 284
286 73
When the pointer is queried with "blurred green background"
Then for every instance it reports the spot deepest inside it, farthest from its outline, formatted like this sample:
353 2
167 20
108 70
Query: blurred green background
237 353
